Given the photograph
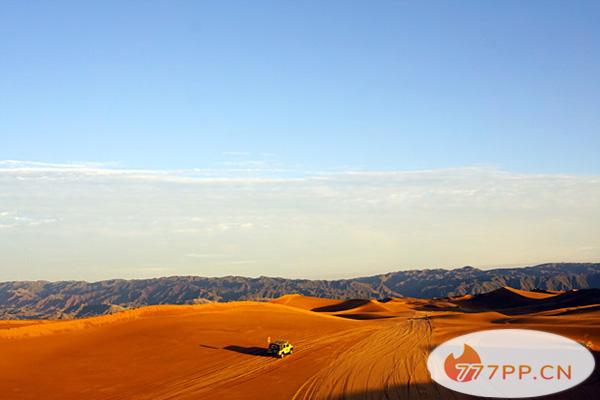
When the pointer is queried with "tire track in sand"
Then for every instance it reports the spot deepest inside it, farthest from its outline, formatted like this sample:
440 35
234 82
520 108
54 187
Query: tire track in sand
389 364
232 371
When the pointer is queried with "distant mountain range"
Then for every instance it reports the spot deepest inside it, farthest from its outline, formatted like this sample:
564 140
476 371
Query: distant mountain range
76 299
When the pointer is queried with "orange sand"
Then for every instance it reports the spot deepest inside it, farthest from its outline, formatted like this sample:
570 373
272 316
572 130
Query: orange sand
359 349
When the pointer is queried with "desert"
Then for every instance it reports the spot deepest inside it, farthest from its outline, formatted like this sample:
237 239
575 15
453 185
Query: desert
299 200
343 349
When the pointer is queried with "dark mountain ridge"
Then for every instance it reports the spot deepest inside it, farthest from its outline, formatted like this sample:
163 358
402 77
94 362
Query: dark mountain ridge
75 299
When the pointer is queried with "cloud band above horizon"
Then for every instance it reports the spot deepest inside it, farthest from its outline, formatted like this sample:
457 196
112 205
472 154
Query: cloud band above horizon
92 221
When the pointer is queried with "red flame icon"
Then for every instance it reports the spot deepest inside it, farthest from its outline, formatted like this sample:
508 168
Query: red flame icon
469 356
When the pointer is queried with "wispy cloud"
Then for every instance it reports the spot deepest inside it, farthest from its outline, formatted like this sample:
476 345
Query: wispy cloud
15 219
228 174
207 255
241 262
290 223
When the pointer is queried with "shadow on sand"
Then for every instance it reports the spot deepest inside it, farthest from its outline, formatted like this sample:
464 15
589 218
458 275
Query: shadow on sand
253 351
423 391
209 347
588 390
365 316
343 306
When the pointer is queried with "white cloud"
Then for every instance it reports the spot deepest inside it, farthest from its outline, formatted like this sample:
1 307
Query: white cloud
207 255
14 219
240 262
295 223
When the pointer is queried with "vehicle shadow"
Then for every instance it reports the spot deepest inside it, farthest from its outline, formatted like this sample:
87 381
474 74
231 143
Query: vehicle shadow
253 350
209 347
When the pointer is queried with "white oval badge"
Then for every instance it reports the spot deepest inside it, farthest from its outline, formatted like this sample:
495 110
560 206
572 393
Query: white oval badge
510 363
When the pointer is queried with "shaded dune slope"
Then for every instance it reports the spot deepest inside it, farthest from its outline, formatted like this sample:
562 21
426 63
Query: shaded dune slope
511 301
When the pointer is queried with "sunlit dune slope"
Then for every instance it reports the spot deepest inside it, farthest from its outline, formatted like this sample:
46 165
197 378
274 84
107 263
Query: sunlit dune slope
354 349
304 302
531 294
164 351
353 309
5 326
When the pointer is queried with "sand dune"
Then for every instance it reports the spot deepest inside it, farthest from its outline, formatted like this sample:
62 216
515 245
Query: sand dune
356 349
531 294
512 301
305 302
503 298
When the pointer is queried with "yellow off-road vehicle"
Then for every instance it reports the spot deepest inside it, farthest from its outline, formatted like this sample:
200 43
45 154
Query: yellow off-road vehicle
280 348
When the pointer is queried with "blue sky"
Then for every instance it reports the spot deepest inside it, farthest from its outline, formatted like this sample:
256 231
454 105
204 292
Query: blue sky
316 139
381 85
